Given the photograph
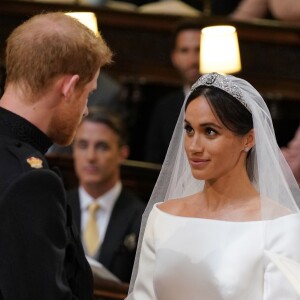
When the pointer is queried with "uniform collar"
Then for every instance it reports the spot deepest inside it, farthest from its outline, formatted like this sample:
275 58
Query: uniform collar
14 126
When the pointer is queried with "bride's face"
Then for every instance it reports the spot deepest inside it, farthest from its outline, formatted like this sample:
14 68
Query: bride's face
213 150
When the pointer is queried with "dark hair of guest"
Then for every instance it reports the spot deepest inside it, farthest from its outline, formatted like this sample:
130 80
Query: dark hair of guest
111 119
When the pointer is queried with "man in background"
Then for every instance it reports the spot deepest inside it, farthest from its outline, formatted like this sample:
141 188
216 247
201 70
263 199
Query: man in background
107 215
52 64
185 58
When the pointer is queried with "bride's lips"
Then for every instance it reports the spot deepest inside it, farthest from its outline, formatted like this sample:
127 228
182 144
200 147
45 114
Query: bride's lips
198 163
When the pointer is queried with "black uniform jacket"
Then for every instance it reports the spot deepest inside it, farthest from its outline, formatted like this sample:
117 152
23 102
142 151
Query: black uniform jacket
41 256
118 248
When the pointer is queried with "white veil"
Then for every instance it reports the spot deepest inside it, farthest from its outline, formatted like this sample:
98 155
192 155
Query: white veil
266 165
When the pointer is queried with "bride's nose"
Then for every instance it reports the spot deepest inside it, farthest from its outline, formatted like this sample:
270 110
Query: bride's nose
196 144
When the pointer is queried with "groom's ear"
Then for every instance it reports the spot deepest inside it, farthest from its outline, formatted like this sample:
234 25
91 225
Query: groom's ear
69 85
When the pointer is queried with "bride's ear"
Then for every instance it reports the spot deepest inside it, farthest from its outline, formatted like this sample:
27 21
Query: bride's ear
249 140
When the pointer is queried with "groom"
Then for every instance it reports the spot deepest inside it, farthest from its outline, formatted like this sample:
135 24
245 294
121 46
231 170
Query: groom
52 62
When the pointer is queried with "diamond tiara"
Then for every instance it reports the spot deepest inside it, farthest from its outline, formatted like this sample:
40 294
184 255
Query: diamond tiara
222 82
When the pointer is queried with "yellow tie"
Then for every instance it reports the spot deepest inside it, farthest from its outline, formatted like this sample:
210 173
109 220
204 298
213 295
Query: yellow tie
91 234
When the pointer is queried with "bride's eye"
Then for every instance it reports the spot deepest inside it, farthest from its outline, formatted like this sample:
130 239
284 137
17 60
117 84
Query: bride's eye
210 131
188 129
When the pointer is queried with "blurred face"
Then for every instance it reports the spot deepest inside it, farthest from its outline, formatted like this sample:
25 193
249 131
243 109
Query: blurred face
185 56
213 150
97 154
70 113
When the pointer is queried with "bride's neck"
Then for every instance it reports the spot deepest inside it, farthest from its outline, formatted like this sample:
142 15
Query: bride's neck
228 191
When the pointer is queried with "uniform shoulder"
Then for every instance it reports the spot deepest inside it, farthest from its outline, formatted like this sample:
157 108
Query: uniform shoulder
37 186
39 178
17 158
16 153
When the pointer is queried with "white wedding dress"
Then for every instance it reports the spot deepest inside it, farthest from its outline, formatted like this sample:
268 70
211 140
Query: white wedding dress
186 258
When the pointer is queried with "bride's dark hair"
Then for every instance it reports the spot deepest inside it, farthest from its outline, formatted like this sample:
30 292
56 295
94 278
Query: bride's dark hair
231 112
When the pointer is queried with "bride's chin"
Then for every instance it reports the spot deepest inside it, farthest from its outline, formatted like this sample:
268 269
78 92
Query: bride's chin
199 175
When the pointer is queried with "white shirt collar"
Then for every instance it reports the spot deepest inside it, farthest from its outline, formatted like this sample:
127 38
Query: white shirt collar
106 201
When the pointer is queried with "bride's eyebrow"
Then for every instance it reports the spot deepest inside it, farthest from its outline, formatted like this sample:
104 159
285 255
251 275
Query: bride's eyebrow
209 124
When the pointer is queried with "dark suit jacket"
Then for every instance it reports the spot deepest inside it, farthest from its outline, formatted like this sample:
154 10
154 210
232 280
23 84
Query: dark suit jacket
118 248
162 124
41 256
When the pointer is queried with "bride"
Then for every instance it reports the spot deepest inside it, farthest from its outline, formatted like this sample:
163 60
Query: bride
224 204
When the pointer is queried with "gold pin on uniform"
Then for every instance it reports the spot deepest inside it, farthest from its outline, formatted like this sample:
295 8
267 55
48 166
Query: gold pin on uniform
35 162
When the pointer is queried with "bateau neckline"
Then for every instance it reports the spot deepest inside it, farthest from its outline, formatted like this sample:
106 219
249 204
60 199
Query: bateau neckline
169 215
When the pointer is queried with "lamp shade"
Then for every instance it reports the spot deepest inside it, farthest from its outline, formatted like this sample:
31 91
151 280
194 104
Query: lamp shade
89 19
219 50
